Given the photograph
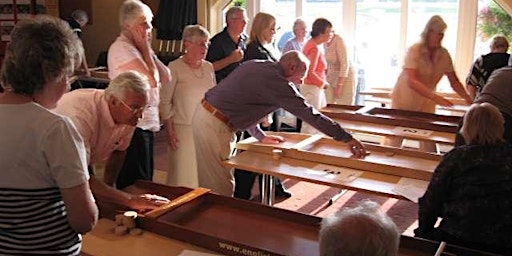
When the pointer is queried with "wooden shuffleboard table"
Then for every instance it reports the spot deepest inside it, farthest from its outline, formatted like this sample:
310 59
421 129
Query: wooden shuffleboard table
412 125
224 225
386 171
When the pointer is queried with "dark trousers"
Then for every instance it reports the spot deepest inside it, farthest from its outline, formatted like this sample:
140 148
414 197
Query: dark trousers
138 163
244 180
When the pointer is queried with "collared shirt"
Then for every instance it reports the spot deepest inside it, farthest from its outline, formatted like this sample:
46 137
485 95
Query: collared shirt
75 26
121 52
471 190
429 72
88 109
258 88
483 67
256 51
222 45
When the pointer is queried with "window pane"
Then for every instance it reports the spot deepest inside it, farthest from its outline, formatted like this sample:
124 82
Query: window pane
489 25
329 9
377 36
284 12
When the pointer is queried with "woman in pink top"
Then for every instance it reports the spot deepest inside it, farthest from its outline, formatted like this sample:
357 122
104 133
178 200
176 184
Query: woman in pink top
315 81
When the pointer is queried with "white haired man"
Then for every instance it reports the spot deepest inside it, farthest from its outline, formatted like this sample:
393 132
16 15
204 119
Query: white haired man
106 120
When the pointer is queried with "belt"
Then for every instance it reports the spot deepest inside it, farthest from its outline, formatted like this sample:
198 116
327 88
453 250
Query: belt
217 114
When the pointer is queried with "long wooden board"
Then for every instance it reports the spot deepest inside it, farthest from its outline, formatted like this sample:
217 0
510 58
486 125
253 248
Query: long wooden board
413 125
386 160
237 227
303 170
396 117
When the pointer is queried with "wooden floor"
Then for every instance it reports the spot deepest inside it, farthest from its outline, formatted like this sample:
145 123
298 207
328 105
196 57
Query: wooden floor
311 198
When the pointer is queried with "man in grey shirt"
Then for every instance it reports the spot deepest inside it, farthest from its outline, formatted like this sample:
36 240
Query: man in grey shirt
498 92
239 102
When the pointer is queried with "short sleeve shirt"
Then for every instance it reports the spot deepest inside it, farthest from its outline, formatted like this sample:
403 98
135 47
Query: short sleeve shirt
89 111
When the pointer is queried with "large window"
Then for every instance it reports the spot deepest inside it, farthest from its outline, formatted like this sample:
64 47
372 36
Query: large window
379 32
377 43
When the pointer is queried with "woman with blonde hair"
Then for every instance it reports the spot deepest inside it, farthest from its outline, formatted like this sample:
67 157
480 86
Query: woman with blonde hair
471 188
260 47
191 76
260 44
426 62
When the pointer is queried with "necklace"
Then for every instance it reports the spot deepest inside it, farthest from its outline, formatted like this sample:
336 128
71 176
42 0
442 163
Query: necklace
194 70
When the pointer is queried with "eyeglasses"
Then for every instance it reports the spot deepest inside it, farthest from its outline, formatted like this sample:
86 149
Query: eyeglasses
134 110
275 29
200 44
243 19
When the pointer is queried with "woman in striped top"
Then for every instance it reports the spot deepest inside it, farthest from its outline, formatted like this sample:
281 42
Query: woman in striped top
340 73
45 200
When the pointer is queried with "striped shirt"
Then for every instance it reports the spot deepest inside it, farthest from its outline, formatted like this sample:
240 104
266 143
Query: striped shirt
41 153
34 221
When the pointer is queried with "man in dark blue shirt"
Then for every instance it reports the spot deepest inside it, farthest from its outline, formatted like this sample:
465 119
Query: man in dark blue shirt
227 48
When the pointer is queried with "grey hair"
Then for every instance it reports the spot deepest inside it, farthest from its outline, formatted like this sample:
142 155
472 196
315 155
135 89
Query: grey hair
297 22
192 32
42 49
360 231
129 81
232 11
80 15
483 125
499 42
131 10
435 24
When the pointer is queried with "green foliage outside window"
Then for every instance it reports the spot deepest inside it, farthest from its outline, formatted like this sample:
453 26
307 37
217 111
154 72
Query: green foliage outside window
241 3
493 20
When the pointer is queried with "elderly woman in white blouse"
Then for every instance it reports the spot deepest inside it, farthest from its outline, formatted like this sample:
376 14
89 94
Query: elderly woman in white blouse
340 73
191 76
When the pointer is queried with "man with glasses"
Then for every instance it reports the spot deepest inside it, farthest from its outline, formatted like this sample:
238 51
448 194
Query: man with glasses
106 120
227 48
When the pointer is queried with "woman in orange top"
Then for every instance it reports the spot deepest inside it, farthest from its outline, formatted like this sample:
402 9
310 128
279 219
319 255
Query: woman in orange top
315 80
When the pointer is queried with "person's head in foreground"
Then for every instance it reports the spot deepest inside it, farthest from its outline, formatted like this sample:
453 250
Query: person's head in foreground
364 230
483 125
41 56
